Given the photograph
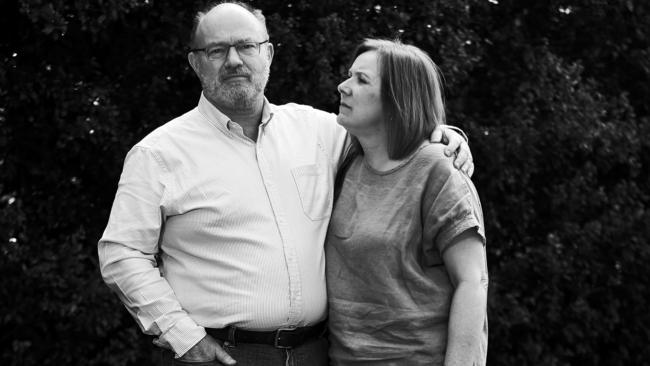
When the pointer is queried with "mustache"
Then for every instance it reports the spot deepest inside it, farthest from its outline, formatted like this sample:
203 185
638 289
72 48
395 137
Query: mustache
240 71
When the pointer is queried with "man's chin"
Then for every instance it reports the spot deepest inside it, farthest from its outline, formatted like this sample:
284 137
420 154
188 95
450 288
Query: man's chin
234 96
239 101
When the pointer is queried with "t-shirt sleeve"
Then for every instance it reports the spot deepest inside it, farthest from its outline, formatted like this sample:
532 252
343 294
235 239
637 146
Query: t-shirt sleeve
452 206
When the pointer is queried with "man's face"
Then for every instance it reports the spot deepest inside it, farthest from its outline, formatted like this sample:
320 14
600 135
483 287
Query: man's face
236 81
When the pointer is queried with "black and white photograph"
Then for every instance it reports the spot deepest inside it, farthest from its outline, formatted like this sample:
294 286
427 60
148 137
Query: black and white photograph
313 183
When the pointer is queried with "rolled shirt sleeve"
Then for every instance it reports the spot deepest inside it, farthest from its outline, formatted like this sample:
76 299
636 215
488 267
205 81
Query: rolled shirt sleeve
452 206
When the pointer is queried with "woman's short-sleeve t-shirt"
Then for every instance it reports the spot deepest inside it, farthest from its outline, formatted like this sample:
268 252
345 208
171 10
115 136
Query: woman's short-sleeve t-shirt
388 290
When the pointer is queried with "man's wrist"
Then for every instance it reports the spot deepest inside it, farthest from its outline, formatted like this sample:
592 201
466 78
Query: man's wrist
183 335
460 132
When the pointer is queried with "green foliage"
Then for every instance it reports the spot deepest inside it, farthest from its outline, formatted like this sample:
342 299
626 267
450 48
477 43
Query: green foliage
553 94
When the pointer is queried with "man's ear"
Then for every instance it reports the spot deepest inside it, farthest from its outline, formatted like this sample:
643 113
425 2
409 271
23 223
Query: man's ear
269 52
194 62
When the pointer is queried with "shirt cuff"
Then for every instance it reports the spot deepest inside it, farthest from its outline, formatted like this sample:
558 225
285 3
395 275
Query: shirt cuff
184 335
460 132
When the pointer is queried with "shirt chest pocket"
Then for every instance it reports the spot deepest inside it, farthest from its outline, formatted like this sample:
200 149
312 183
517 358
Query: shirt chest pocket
314 189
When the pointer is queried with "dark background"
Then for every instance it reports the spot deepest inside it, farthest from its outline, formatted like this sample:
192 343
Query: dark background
554 96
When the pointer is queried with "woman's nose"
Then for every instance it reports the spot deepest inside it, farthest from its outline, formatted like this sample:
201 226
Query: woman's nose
343 88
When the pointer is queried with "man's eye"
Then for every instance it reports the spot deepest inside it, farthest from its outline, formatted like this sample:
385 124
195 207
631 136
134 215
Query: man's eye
246 46
216 51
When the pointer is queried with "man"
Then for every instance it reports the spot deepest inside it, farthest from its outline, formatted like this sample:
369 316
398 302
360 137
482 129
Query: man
234 197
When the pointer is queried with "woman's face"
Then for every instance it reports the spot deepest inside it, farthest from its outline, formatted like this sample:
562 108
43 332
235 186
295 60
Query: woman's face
360 110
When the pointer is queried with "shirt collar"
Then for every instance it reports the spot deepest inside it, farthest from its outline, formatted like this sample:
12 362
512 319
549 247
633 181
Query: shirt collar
221 120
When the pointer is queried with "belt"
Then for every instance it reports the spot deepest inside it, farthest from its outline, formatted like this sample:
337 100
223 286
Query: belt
280 338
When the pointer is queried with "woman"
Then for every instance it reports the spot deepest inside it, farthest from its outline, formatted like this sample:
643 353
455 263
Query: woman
406 267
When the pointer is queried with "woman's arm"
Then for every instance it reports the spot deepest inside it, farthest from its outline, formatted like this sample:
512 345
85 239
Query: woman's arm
466 264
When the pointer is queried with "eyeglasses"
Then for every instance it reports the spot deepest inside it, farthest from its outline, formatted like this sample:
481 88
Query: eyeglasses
220 51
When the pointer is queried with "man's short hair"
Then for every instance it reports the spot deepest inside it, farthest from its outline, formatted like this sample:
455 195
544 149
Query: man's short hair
411 94
200 14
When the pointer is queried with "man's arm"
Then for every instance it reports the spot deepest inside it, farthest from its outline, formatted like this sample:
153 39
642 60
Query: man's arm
127 254
457 145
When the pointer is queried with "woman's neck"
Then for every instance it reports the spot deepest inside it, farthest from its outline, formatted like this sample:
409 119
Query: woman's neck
375 152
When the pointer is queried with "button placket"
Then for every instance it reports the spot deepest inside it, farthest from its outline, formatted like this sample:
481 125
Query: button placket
290 255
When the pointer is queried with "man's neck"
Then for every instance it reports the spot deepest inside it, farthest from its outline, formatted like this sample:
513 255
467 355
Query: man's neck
248 118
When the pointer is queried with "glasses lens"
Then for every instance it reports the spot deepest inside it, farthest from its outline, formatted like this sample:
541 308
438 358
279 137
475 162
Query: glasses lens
247 48
216 52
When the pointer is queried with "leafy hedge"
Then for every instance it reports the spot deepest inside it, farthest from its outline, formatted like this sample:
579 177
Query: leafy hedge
555 96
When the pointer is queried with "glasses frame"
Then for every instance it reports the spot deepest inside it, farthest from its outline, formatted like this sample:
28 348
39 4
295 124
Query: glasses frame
230 46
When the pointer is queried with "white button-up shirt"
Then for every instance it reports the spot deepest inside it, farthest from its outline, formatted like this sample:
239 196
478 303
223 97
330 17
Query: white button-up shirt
238 226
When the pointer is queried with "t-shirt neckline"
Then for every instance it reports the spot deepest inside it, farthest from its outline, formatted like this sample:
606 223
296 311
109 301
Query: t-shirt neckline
402 164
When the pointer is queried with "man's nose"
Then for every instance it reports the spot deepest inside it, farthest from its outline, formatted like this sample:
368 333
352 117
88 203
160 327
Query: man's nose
232 57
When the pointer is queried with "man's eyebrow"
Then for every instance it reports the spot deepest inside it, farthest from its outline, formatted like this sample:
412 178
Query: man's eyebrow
243 40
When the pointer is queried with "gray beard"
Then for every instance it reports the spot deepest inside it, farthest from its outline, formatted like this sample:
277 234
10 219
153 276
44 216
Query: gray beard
240 97
231 98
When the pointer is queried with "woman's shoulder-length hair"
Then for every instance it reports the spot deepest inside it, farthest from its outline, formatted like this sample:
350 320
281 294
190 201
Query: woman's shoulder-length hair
411 94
